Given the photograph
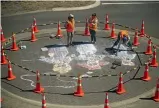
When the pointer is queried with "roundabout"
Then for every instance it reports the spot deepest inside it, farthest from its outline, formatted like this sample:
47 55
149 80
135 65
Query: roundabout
60 65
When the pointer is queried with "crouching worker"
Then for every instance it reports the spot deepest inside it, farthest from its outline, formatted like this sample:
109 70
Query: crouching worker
123 38
70 25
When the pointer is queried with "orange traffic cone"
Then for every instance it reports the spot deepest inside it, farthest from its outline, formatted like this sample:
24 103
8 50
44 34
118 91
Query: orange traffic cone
3 57
38 88
11 76
33 37
107 23
14 45
156 96
136 39
86 32
79 91
106 102
120 89
149 48
2 36
35 26
113 35
154 59
146 76
142 32
43 101
59 32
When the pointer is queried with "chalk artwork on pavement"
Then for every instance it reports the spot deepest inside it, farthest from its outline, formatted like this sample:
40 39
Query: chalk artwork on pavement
88 59
124 56
58 57
63 83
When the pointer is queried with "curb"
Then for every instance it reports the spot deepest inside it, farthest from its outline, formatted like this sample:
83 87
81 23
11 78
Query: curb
97 3
113 104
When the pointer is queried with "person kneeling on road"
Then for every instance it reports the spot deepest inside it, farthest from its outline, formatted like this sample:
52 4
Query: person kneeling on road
123 37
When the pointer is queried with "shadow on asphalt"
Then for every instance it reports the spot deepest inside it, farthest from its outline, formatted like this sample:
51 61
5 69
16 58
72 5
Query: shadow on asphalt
151 98
54 46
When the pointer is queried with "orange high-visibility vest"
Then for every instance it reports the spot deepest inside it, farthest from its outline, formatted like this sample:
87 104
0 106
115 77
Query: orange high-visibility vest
93 23
70 26
124 33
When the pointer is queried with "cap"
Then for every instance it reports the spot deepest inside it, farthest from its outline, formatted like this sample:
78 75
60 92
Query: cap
94 14
71 15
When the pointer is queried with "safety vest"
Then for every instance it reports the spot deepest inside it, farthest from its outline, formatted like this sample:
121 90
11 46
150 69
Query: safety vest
93 23
124 33
70 26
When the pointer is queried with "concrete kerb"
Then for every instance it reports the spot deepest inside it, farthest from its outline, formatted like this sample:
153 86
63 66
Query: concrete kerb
114 104
97 3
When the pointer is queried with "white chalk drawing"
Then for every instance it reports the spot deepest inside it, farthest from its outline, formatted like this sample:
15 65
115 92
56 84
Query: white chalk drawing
88 59
44 49
64 84
58 57
89 72
124 56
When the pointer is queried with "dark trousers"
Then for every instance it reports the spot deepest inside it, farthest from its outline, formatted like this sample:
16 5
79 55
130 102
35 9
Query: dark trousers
69 38
93 35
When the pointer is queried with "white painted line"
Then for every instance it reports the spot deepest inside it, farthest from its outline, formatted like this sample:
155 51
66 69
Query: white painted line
130 3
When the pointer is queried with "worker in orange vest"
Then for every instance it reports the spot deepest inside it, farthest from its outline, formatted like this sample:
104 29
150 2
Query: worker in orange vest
123 37
93 27
70 25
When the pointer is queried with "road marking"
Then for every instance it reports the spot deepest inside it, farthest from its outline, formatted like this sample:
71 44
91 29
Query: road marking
130 3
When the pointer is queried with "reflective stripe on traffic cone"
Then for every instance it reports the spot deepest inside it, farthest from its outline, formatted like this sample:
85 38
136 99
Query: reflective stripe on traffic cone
107 23
79 92
14 44
59 31
11 76
136 39
3 57
106 102
146 76
38 88
43 101
156 96
149 48
113 35
142 32
33 37
120 88
86 32
154 62
3 39
35 26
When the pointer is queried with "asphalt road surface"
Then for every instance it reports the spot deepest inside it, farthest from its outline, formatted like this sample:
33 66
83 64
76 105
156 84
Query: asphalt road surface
130 15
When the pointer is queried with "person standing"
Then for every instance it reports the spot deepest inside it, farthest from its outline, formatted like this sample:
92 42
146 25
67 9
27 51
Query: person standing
93 27
70 25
